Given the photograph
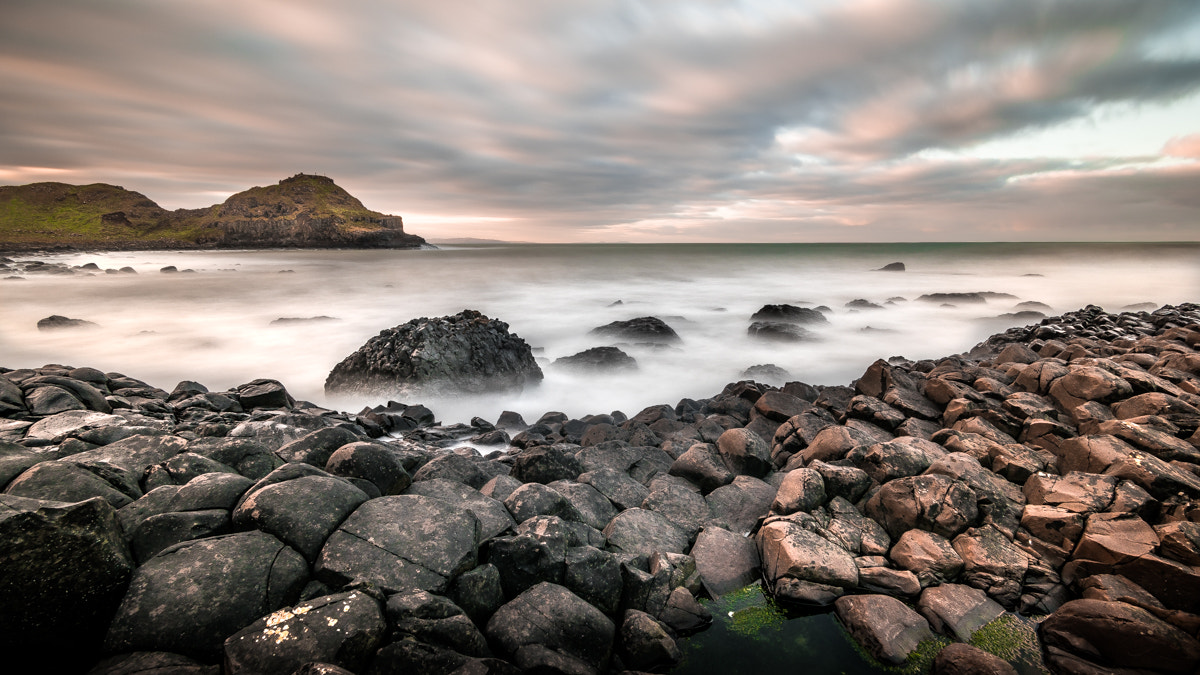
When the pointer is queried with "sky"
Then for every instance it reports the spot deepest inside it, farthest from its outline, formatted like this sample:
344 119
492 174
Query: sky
623 121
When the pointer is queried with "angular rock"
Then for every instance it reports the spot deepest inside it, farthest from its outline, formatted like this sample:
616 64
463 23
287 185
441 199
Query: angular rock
800 490
739 505
645 643
726 561
401 542
478 592
638 531
595 576
935 503
679 502
885 627
436 621
787 550
535 499
546 464
958 611
1113 635
703 465
552 618
494 518
930 556
991 562
164 530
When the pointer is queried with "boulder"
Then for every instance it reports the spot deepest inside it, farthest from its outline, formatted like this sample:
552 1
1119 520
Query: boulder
371 462
642 329
800 490
904 456
992 562
63 572
779 331
301 512
645 643
550 617
1112 635
595 576
493 517
930 556
535 499
478 592
745 452
788 314
467 352
401 542
678 501
594 508
638 531
65 482
616 486
192 596
738 506
1088 383
597 359
435 620
546 464
164 530
703 465
343 629
726 561
316 447
935 503
963 659
1076 491
527 559
885 627
958 611
454 467
788 550
264 394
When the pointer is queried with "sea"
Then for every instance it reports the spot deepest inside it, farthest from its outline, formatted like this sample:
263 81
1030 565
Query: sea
216 321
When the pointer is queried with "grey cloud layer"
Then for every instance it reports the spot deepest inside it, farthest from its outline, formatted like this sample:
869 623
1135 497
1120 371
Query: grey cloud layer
586 118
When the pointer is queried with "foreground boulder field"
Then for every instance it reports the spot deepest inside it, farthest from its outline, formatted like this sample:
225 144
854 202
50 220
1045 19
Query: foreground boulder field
1051 472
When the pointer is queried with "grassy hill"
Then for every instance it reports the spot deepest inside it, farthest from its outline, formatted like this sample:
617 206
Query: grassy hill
302 211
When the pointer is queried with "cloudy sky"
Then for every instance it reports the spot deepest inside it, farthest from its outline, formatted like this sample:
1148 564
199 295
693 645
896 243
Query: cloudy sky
611 120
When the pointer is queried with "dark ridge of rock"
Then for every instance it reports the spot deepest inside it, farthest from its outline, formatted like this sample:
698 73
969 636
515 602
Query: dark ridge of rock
599 359
779 331
642 329
766 372
969 298
467 352
291 320
788 314
892 267
860 303
56 322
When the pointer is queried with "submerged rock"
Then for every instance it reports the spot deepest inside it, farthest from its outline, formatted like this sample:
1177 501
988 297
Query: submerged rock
467 353
598 359
642 329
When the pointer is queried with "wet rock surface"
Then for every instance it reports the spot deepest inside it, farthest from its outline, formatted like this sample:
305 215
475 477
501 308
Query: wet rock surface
1053 470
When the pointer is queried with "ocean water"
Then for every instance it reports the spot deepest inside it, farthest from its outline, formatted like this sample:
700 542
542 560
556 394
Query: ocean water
214 325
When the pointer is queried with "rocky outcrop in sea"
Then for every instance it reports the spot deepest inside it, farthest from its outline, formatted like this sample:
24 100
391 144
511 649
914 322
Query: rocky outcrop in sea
1053 472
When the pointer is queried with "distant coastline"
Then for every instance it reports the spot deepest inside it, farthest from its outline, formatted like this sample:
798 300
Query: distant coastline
304 211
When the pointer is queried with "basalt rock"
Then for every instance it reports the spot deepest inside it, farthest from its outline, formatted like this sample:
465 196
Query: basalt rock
466 352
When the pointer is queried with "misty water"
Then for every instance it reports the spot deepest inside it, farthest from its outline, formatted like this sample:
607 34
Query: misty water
215 325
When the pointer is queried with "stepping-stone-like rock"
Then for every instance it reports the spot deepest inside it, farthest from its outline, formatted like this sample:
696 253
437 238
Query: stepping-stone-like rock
302 512
401 542
788 550
935 503
726 561
1111 635
885 627
63 572
638 531
343 629
992 562
548 617
958 611
493 516
192 596
65 482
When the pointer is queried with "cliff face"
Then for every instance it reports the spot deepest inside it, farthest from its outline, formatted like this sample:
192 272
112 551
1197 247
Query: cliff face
302 211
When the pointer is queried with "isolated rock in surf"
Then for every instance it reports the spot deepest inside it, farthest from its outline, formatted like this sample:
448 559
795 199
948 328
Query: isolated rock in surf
464 353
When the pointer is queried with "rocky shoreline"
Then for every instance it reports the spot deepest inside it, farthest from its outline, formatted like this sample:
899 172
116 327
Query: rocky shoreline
1052 470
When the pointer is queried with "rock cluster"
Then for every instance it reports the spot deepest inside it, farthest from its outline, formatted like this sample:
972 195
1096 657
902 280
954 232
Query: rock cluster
1054 469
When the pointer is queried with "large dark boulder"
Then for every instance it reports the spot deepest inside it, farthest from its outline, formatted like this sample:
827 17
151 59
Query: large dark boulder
63 571
343 629
548 617
401 542
1112 635
597 359
788 314
467 352
192 596
642 329
302 512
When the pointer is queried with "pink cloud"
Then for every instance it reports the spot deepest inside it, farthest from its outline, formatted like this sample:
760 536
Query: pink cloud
1183 146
